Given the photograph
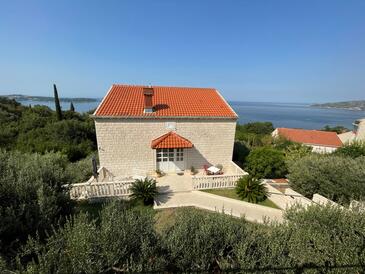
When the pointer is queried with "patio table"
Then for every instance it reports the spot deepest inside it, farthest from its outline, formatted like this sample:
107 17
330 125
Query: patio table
213 169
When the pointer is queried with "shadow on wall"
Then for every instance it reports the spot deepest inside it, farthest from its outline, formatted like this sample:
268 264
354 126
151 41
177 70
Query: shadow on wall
197 160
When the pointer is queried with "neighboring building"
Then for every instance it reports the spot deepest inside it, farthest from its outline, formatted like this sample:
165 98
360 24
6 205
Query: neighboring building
320 141
358 134
140 129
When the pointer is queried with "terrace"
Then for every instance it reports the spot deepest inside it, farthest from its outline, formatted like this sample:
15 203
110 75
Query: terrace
110 186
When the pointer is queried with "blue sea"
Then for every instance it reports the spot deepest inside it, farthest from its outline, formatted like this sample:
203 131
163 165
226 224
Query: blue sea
294 115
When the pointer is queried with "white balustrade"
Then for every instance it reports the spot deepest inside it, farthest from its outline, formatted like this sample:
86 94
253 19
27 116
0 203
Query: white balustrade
115 186
215 181
100 190
219 181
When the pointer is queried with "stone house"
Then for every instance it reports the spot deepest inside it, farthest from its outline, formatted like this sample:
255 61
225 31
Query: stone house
356 135
141 129
320 141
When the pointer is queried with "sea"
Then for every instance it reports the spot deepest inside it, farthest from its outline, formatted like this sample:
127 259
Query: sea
293 115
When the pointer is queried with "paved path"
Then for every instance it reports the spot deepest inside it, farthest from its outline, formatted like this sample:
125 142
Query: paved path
249 211
174 183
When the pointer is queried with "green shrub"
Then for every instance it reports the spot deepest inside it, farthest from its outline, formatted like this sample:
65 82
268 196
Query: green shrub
337 178
240 152
200 240
353 150
337 129
318 239
80 171
257 128
313 240
254 134
73 138
251 189
123 240
266 162
296 151
327 236
36 129
31 197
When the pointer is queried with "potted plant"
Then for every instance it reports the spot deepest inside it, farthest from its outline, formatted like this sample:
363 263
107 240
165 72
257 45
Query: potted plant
159 173
220 167
193 171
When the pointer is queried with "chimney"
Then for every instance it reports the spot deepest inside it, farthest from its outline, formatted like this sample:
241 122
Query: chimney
148 93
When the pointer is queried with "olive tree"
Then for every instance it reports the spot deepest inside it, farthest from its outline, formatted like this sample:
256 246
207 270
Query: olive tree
201 241
353 150
123 240
337 178
32 197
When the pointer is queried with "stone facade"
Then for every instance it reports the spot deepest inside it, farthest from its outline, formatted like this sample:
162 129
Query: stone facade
124 144
357 135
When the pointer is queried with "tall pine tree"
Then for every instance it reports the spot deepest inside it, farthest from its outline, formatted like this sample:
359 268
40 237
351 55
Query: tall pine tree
57 103
72 108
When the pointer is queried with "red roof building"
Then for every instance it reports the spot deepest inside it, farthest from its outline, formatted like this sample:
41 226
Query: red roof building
310 137
130 101
141 129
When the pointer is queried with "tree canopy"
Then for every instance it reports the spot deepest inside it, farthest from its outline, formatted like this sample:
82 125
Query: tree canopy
317 239
36 129
353 150
266 162
337 178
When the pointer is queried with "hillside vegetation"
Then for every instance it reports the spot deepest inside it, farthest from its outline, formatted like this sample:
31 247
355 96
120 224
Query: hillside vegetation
20 98
37 129
351 105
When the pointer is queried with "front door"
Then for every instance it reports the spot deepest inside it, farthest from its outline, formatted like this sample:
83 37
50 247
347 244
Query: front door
170 159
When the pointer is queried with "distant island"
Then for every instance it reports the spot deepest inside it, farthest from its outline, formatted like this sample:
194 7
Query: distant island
350 105
21 98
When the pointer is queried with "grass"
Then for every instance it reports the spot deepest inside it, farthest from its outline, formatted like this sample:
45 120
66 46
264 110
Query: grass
165 218
231 193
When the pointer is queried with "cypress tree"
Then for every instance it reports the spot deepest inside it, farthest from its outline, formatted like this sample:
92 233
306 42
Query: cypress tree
72 108
57 103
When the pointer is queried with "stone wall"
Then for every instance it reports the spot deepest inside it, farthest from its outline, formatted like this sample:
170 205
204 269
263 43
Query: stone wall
124 145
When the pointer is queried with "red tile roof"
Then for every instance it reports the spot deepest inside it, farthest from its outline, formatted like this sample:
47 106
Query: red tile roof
128 101
171 140
312 137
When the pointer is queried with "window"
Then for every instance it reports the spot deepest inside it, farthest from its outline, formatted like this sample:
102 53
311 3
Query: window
159 155
165 154
179 154
169 154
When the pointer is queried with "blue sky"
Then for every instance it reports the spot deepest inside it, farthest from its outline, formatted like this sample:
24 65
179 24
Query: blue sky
282 51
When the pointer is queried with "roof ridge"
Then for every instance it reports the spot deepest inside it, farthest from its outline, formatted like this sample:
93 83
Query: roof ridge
318 130
158 86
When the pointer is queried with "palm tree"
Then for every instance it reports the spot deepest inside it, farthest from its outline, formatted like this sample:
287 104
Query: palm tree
144 190
251 189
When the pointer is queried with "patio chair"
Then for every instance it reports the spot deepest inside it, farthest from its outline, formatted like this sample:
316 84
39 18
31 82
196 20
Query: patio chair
206 171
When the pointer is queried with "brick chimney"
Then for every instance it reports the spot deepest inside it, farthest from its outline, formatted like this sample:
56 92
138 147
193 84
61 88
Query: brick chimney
148 93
